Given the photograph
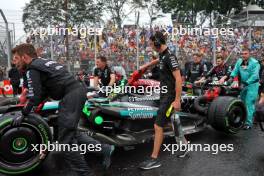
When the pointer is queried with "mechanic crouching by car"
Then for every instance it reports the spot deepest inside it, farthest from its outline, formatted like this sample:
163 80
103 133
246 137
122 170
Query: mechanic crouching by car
220 71
170 77
47 78
247 69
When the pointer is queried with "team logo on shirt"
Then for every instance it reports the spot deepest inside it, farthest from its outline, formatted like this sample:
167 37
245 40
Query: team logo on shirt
174 62
161 64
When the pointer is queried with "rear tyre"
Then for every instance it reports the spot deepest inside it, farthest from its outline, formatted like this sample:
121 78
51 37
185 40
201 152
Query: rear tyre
16 155
227 114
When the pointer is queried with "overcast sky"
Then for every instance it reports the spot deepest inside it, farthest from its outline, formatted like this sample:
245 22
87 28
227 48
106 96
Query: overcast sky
13 4
13 12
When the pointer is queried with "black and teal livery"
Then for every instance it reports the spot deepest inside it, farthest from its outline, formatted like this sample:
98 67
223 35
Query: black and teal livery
121 120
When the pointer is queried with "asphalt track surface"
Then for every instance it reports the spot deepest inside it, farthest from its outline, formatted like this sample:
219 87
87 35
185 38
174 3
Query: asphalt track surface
247 159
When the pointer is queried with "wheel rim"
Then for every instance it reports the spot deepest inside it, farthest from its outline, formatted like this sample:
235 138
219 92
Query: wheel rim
16 143
19 144
236 117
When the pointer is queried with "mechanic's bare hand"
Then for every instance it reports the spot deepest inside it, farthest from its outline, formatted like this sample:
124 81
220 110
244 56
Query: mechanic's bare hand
261 100
221 81
230 81
42 154
176 105
197 83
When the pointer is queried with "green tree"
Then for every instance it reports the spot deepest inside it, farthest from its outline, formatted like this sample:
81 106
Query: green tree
187 10
39 13
120 9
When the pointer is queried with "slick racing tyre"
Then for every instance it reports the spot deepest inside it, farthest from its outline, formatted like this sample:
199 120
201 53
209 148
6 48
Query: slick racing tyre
17 154
227 114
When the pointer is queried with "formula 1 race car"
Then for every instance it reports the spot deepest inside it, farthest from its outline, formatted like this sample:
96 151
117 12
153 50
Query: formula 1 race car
121 119
117 122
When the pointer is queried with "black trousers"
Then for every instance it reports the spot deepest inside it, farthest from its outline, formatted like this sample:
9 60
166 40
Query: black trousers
69 115
74 159
70 109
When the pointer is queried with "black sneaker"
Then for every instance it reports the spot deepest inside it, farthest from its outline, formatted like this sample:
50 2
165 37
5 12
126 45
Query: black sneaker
150 164
183 154
247 127
107 157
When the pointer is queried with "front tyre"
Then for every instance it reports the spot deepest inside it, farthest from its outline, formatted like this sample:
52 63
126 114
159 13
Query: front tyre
16 143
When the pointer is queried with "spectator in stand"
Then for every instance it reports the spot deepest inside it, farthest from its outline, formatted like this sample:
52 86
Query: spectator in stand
115 42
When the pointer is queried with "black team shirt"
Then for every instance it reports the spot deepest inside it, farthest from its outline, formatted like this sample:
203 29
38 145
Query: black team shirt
104 75
168 63
46 78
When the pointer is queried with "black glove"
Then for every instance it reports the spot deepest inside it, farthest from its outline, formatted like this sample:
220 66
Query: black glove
18 120
242 86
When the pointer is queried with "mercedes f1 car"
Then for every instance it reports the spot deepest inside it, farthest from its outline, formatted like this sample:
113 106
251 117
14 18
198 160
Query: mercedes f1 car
122 119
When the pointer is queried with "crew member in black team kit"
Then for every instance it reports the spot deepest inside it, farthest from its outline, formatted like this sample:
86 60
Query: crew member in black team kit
220 71
170 77
103 75
103 72
195 69
47 78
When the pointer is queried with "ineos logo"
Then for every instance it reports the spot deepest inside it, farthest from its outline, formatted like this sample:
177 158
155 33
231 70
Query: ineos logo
7 88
